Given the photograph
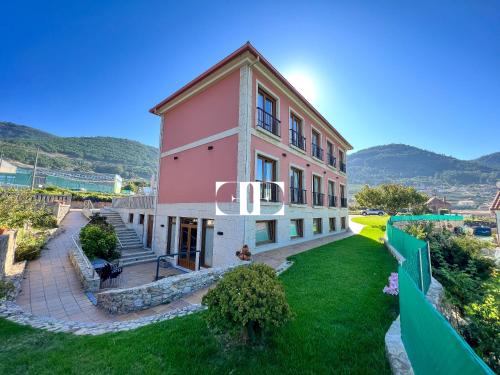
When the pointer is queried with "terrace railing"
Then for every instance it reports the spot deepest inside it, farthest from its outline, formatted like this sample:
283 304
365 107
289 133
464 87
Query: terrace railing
297 139
298 196
135 201
318 199
317 151
268 122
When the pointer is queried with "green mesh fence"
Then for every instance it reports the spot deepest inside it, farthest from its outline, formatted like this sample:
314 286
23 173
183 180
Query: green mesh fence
432 344
415 253
394 219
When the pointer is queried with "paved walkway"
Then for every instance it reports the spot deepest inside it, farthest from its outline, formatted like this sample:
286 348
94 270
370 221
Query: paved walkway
51 287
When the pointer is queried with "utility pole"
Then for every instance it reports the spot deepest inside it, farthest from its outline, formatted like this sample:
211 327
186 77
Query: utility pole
34 169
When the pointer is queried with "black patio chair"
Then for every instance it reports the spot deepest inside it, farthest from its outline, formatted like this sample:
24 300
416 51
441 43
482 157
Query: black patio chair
115 273
105 273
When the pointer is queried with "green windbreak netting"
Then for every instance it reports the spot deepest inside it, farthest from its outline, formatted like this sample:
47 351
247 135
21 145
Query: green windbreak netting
432 344
415 253
394 219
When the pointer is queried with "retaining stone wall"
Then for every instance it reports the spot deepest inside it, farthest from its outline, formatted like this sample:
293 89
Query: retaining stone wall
90 280
120 301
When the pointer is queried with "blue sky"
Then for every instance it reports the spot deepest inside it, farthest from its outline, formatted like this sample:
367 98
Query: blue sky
424 73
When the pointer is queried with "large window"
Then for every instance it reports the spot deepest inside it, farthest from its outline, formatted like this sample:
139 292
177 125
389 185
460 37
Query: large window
266 113
297 192
265 172
131 218
343 222
265 232
330 157
332 199
170 233
317 191
296 137
343 199
342 164
316 149
141 219
317 223
296 228
333 224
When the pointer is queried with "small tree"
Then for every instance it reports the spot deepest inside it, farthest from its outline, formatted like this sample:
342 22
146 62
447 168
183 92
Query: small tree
391 198
19 208
248 303
98 242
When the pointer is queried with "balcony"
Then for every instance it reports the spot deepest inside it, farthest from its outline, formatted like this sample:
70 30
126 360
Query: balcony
332 160
298 196
317 151
343 202
269 192
318 199
268 122
342 167
332 201
297 139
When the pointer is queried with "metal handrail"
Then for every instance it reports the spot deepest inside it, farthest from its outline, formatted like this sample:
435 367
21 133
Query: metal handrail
82 254
170 255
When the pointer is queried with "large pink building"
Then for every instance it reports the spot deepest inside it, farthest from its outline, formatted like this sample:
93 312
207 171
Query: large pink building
243 121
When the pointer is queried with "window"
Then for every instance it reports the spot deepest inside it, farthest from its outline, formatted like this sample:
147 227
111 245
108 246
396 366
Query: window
343 199
207 246
141 219
342 164
297 193
317 195
131 218
332 199
265 172
317 225
317 151
264 232
266 113
296 228
333 224
343 222
330 155
296 137
170 233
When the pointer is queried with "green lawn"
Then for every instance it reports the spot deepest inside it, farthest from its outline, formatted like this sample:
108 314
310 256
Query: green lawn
334 290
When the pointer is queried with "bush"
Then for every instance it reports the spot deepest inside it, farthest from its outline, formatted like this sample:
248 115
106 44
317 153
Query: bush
6 288
248 303
29 245
98 242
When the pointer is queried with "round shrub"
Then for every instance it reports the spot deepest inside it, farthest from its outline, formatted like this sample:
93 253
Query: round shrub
248 303
98 242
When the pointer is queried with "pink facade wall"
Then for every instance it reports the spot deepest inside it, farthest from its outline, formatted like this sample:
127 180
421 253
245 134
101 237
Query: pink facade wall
268 148
209 112
191 178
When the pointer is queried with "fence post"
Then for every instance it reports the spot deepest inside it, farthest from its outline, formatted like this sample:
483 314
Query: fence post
421 271
429 257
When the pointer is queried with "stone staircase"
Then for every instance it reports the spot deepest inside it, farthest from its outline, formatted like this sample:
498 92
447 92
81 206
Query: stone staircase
132 249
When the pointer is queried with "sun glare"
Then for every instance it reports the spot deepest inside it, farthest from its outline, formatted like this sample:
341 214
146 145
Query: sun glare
304 83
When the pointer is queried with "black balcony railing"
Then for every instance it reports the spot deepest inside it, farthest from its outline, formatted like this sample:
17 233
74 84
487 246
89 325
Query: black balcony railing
332 160
343 202
298 196
317 151
297 139
268 122
269 192
332 201
318 199
342 167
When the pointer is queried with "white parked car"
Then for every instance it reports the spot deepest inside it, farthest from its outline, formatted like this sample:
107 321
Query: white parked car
372 211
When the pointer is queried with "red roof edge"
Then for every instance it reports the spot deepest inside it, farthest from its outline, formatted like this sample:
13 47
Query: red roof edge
496 203
248 47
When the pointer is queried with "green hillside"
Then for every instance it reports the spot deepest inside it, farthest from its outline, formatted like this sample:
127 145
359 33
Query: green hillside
490 160
402 162
130 159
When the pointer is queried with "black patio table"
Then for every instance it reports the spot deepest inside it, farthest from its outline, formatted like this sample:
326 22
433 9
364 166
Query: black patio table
99 264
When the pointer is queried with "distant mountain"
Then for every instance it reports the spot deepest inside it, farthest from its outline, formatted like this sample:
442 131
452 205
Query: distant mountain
398 161
130 159
428 171
490 160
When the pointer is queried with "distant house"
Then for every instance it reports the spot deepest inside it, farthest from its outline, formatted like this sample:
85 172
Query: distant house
6 167
495 208
436 204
